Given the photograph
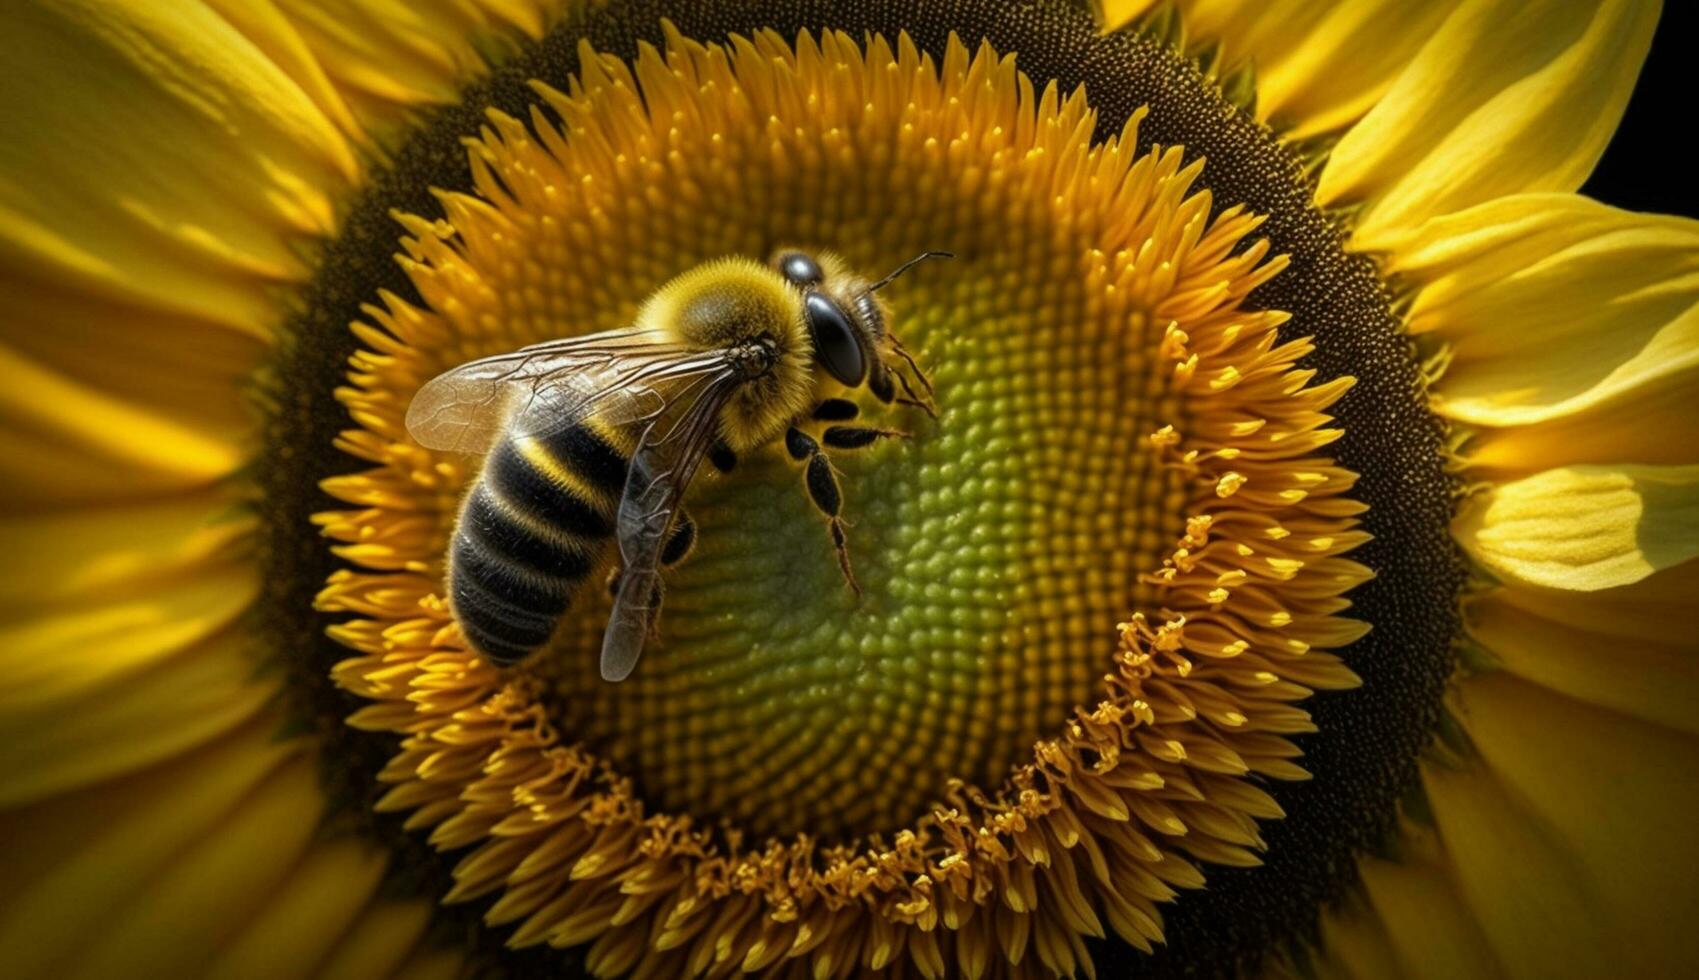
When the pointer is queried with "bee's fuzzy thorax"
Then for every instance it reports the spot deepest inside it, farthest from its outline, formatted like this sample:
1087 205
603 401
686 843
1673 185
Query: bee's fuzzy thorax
726 301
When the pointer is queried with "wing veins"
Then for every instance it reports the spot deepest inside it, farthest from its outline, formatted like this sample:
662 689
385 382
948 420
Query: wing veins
547 386
661 470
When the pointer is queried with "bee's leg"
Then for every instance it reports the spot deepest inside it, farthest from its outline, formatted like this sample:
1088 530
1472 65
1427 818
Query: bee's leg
823 490
858 436
914 398
925 382
655 611
849 436
836 410
681 543
722 457
879 382
678 547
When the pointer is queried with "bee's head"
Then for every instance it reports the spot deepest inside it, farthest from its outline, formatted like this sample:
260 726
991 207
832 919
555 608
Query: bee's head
846 321
844 343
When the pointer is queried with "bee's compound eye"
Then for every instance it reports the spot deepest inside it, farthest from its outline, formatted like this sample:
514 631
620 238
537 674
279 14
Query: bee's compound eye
800 269
836 345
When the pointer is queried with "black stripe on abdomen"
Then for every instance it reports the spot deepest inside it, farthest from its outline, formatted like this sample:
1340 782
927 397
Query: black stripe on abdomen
490 520
524 487
591 457
496 626
524 544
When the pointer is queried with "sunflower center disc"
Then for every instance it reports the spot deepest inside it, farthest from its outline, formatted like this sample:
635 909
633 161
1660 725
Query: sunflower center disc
999 547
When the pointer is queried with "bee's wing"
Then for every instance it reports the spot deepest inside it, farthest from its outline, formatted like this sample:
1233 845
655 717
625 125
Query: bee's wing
667 455
466 409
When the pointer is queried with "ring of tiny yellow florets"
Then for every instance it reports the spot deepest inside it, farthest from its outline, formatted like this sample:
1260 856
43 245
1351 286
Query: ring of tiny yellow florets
1104 822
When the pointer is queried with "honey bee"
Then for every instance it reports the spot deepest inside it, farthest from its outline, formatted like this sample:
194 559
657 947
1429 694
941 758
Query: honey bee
594 439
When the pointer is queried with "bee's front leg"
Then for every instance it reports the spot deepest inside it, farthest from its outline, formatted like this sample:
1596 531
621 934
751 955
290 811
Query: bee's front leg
879 381
849 436
823 490
858 436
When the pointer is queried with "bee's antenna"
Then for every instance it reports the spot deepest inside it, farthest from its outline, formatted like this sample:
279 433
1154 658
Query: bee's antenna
906 266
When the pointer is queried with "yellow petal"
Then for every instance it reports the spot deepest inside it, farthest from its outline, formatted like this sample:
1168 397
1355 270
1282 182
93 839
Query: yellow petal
1114 14
1353 944
196 696
1319 66
428 963
170 169
263 24
1409 920
69 862
1572 838
1519 884
1648 611
386 56
175 925
379 941
304 919
1584 527
119 644
107 553
63 652
1651 424
1554 305
1630 649
1506 96
188 373
65 442
1329 75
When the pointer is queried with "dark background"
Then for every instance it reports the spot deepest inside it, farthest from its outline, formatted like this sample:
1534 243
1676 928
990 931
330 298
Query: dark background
1649 166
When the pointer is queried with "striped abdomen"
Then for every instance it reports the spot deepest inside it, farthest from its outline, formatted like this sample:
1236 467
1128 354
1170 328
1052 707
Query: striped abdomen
530 532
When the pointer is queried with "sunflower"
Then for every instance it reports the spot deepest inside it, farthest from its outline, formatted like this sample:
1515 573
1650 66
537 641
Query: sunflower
1291 580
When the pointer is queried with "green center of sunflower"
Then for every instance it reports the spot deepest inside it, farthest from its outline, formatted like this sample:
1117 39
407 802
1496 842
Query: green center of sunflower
998 547
1124 441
